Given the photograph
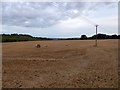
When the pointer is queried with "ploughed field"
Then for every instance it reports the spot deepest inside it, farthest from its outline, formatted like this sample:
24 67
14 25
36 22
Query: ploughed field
60 64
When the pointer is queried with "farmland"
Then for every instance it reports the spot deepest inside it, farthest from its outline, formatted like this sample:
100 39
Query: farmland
60 64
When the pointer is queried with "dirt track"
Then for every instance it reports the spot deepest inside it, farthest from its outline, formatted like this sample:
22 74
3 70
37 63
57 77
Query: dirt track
60 64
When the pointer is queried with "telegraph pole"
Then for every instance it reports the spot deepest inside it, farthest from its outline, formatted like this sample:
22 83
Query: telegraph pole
96 36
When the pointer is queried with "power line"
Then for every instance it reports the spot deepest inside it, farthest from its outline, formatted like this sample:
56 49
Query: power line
88 20
84 17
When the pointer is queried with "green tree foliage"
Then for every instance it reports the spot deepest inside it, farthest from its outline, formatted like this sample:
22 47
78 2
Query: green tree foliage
83 37
25 37
19 37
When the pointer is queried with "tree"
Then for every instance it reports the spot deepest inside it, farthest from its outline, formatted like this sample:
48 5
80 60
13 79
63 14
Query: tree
114 36
83 37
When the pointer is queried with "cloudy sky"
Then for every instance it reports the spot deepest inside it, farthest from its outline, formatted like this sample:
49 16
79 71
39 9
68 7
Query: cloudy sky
59 19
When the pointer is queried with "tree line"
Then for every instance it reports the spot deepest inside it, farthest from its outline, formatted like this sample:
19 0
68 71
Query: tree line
19 37
25 37
101 36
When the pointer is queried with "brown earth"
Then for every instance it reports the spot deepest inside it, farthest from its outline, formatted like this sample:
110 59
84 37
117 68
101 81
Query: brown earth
60 64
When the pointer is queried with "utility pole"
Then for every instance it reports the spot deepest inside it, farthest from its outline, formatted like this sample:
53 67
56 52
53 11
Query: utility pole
96 36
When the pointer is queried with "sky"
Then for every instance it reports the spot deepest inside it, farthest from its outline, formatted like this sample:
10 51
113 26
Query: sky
59 19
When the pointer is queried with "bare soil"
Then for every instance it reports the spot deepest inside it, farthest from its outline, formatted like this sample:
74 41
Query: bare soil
60 64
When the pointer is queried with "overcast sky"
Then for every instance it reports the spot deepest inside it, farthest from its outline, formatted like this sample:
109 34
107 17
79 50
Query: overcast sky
59 19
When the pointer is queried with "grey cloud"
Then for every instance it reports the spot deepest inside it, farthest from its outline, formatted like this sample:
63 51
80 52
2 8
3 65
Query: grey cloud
41 14
38 14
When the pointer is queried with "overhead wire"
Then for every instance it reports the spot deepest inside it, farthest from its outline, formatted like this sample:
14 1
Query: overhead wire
84 17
